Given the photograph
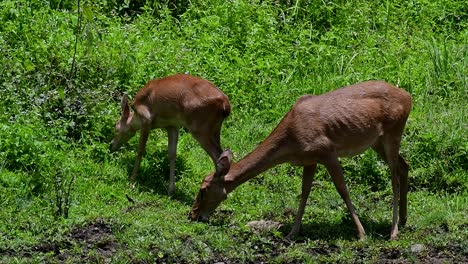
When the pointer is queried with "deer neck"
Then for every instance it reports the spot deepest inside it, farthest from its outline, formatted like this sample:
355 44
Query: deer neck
265 156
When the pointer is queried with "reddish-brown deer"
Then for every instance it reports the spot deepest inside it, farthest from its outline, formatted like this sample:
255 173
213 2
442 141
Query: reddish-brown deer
320 129
172 102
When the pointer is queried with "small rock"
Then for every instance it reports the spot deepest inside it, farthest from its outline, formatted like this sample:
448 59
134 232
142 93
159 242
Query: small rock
263 225
416 248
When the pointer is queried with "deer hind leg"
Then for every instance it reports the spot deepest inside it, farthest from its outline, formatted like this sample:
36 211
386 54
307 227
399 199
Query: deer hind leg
388 149
334 168
403 171
209 138
173 135
307 178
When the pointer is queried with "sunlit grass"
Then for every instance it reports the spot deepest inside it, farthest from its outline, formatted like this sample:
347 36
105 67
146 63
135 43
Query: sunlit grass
264 55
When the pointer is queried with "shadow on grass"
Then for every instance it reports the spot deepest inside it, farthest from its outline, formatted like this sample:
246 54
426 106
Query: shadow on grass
317 228
153 174
323 230
343 230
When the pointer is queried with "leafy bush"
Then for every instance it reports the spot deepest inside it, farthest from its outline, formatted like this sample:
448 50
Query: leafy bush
21 147
264 55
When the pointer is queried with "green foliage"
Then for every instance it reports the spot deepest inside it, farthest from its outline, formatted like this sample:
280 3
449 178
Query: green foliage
20 147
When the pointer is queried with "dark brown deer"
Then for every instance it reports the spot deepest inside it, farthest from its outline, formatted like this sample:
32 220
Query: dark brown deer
320 129
172 102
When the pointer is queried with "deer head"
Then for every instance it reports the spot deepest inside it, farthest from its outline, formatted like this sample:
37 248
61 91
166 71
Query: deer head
126 126
212 191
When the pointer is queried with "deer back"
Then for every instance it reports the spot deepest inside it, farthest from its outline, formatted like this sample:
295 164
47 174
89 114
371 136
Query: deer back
178 99
348 119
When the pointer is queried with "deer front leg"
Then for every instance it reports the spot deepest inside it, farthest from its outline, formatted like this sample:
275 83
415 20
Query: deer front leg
144 131
334 168
307 178
173 135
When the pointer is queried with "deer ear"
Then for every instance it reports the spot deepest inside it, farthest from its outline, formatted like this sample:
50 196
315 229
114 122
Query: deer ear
124 107
224 163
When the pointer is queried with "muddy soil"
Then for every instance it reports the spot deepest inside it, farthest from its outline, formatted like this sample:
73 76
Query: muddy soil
89 243
96 242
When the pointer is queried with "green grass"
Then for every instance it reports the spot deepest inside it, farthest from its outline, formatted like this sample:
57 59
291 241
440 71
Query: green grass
156 227
56 124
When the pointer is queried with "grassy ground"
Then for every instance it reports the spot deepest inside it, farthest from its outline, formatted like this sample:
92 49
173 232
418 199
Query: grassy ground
110 222
65 198
107 226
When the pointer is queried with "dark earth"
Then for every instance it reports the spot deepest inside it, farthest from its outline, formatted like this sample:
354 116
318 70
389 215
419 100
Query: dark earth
96 242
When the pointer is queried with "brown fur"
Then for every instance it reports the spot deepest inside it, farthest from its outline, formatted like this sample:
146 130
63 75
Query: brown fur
172 102
320 129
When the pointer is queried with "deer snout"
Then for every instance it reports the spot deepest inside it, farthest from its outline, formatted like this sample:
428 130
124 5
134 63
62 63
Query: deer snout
193 216
113 147
198 217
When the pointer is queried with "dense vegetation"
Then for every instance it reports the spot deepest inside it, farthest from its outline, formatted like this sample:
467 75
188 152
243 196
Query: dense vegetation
65 64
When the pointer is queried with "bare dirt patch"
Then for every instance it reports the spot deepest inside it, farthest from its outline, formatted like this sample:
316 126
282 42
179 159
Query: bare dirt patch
452 253
92 242
96 237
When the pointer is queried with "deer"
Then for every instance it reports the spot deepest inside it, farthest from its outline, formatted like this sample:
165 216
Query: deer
319 130
172 102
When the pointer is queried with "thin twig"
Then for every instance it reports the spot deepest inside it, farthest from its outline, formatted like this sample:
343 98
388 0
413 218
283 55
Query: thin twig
67 197
78 30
